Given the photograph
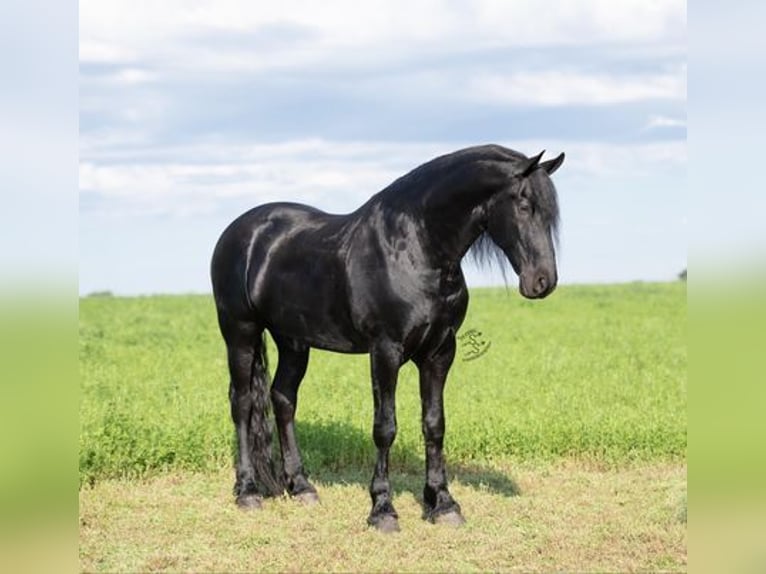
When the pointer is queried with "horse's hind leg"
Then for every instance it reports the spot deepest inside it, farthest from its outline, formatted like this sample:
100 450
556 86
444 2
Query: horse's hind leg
248 395
293 359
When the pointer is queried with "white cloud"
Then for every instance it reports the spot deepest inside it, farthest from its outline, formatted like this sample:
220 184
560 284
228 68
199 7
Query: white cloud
658 122
131 76
143 41
604 160
104 51
346 30
330 175
558 88
336 176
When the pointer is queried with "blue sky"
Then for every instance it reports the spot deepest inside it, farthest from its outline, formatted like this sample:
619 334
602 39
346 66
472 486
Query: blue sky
193 112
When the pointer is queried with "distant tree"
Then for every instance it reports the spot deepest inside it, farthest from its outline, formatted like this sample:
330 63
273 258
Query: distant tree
100 294
682 275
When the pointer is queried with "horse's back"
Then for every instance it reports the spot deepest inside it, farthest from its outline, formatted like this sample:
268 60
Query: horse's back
285 252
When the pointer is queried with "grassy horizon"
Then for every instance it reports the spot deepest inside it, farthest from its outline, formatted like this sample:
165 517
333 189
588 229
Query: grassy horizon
596 372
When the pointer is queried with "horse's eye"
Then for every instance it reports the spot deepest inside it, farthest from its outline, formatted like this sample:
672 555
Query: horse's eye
525 207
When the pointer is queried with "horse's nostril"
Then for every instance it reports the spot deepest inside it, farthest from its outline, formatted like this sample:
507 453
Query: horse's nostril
541 285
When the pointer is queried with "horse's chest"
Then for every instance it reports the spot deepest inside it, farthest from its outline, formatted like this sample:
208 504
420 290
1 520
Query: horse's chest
441 303
452 299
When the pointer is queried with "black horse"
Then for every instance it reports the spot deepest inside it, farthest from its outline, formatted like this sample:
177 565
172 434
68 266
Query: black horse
384 280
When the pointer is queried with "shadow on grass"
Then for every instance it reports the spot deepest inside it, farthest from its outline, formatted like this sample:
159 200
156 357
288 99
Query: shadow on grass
338 453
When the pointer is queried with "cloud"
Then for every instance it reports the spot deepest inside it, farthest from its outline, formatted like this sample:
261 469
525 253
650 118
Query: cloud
659 122
131 76
179 100
331 175
166 33
382 70
336 176
560 88
626 161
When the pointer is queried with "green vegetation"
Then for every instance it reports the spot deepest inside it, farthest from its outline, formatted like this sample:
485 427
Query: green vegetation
595 373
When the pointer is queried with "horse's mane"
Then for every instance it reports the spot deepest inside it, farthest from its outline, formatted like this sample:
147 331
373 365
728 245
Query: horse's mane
486 254
484 251
410 183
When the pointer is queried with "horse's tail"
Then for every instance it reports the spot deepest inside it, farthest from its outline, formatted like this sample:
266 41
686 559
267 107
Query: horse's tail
261 425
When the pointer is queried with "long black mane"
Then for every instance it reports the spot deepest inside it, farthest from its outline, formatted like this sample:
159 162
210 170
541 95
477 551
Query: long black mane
441 171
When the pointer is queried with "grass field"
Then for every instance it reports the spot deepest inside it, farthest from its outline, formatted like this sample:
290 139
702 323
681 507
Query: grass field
570 419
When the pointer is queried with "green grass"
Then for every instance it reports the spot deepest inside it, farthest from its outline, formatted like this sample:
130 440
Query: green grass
595 373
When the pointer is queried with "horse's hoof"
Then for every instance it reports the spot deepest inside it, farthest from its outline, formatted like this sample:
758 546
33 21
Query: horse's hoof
452 518
308 498
249 501
385 523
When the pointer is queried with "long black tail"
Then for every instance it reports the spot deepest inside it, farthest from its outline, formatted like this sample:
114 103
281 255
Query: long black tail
269 480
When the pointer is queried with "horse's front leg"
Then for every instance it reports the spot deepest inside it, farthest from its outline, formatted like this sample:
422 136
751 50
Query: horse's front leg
385 362
439 506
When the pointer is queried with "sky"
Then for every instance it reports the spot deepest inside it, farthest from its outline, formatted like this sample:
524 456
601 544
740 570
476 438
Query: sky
192 112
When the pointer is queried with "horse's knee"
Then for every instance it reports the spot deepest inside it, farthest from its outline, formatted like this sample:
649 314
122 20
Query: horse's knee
433 429
384 433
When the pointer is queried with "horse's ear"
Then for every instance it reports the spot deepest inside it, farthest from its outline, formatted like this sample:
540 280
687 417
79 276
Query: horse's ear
553 164
529 165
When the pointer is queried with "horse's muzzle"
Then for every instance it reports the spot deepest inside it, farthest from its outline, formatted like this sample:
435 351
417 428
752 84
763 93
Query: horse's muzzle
537 285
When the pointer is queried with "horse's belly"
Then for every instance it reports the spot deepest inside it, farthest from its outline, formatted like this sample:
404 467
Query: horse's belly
336 344
311 311
323 331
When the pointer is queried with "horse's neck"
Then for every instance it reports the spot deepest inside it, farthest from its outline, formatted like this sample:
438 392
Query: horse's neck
455 212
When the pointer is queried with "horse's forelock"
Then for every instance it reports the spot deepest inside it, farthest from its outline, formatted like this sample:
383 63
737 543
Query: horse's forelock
547 201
